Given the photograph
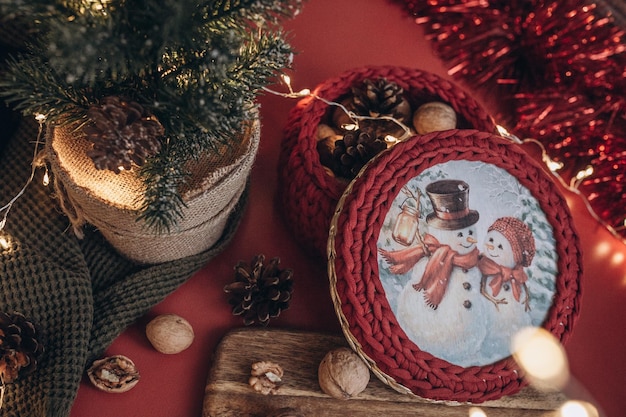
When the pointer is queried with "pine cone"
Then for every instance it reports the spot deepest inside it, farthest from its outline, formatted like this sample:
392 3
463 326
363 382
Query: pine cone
19 346
260 292
376 99
122 133
355 149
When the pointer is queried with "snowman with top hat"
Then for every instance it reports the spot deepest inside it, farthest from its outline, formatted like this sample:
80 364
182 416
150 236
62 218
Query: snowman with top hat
509 247
441 308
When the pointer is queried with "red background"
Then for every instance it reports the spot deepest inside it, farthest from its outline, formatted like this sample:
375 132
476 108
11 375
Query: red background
332 36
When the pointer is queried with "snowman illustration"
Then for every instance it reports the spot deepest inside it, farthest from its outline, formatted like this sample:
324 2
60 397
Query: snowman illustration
441 308
509 247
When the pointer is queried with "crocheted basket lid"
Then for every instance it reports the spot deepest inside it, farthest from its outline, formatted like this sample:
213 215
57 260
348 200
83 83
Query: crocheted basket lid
431 296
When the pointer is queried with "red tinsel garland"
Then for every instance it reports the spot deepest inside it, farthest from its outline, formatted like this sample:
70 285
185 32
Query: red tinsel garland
559 68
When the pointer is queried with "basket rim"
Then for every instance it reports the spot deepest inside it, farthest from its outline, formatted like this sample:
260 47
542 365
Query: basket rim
311 110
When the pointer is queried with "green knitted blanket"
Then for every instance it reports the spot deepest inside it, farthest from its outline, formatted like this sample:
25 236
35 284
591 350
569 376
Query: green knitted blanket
80 293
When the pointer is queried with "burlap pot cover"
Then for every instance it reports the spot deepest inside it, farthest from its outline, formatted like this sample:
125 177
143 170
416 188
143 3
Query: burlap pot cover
309 195
111 201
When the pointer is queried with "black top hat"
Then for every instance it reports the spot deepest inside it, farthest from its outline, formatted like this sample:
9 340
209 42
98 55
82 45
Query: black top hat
450 200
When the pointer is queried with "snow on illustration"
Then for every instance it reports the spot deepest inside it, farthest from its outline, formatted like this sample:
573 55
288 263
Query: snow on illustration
466 259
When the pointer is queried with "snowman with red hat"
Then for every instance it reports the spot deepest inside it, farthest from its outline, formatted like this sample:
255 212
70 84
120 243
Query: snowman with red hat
509 248
441 308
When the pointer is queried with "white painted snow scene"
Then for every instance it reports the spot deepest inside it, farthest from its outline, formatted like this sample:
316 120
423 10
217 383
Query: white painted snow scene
467 258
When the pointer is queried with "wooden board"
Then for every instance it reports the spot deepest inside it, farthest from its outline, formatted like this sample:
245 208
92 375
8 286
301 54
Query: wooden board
299 353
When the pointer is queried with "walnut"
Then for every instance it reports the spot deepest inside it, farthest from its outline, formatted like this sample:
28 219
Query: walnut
325 131
266 377
113 374
169 333
433 117
342 374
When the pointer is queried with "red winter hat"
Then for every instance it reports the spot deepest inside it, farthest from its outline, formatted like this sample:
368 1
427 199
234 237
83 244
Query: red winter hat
519 236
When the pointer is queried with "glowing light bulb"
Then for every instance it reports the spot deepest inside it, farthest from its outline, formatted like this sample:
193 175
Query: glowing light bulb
577 409
390 140
603 248
4 243
506 134
617 258
476 412
46 179
502 131
552 165
286 79
304 92
40 117
584 173
542 357
349 126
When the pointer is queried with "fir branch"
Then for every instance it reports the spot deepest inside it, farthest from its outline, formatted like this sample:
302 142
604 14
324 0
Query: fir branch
162 206
32 88
197 67
268 10
14 9
120 38
261 57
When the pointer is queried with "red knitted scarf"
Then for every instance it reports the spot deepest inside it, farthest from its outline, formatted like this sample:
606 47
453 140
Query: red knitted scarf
501 274
442 259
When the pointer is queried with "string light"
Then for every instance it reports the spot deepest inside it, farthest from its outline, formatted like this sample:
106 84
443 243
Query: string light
581 175
573 185
507 135
353 116
7 207
46 178
552 165
292 94
391 140
4 243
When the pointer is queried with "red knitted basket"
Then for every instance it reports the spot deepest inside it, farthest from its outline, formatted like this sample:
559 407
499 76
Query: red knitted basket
309 194
362 284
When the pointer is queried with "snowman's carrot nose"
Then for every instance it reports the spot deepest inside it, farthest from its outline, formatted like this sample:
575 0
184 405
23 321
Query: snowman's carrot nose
489 246
471 239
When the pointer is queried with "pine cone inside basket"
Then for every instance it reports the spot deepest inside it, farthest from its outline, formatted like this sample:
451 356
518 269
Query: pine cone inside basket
122 133
380 98
260 291
19 346
355 149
